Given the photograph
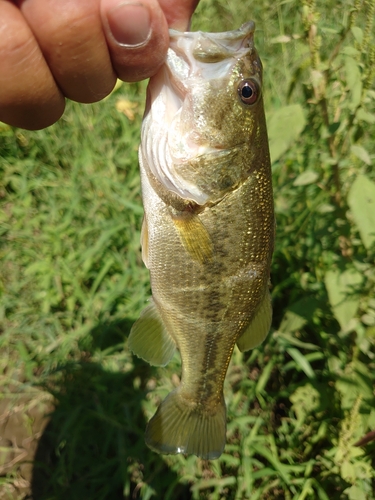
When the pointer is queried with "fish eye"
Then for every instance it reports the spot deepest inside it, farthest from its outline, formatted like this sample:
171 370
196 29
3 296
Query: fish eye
248 91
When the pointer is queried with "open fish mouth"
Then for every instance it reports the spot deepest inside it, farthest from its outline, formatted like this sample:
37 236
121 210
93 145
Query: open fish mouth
204 53
211 45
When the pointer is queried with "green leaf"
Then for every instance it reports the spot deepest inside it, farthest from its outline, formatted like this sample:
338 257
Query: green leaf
266 471
365 116
211 483
353 78
341 294
301 361
322 495
348 472
280 468
361 200
263 379
298 314
357 33
292 322
350 51
355 493
287 339
353 74
305 400
284 127
347 387
307 177
361 153
325 208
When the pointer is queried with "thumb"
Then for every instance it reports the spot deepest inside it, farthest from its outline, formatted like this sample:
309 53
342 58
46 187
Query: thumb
137 37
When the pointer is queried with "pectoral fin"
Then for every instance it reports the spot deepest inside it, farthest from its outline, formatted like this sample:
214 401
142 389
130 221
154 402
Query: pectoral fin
144 241
149 338
194 237
258 329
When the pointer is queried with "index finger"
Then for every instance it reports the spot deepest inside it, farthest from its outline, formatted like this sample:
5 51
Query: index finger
178 13
22 63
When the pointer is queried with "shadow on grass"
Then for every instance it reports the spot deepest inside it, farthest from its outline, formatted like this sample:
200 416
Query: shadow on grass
93 446
112 334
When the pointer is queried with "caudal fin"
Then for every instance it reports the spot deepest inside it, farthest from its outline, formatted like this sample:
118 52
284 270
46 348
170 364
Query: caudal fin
176 427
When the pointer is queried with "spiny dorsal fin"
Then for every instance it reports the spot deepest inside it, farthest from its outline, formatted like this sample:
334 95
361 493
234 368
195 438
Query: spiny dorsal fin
259 327
149 338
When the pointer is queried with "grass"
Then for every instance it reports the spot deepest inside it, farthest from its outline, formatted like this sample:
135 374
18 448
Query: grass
72 282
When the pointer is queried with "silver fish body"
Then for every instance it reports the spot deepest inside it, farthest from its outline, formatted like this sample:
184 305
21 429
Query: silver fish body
208 230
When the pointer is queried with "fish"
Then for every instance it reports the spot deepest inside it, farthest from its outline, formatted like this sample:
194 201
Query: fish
208 230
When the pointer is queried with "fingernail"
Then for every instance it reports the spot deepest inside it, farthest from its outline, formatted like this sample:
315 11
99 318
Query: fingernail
130 23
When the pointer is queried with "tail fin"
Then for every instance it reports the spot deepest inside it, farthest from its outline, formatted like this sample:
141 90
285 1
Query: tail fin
177 427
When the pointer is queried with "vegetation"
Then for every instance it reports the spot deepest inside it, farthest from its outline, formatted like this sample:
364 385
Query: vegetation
72 282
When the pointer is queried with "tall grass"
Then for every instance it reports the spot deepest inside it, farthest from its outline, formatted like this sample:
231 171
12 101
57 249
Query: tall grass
72 282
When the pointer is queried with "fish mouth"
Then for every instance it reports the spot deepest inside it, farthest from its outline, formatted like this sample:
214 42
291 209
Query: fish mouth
208 54
215 45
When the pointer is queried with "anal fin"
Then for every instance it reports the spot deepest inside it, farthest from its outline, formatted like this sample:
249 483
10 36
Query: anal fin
259 327
149 338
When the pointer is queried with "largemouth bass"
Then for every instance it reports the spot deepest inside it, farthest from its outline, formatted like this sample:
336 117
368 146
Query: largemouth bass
208 229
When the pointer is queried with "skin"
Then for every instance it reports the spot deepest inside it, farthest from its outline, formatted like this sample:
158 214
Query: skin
51 50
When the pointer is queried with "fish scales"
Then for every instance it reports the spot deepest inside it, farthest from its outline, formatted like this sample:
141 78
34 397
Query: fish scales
208 230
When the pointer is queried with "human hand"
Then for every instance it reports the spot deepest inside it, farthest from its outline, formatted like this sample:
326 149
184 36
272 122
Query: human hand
52 49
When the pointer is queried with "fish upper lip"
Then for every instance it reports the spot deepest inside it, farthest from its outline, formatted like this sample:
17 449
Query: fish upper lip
247 28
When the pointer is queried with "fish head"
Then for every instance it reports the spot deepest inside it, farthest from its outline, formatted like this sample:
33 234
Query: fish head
219 78
205 111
